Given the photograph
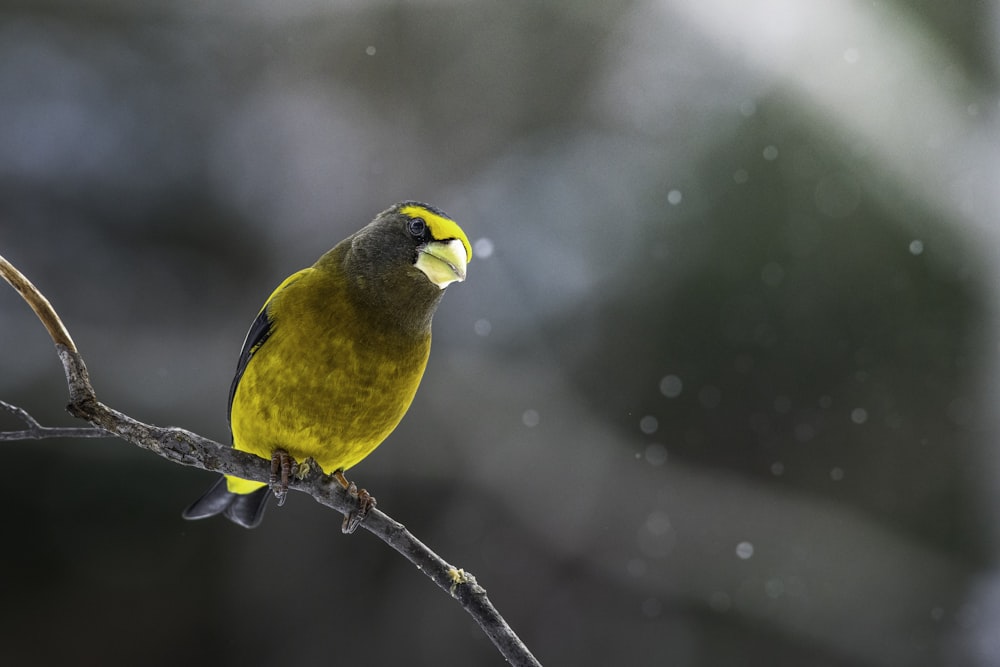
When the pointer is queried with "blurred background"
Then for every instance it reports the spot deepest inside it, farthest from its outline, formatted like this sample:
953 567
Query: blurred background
720 388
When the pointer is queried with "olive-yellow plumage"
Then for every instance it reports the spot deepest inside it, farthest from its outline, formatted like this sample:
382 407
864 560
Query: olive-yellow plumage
334 358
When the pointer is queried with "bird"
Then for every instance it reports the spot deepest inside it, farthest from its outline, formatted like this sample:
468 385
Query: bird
333 359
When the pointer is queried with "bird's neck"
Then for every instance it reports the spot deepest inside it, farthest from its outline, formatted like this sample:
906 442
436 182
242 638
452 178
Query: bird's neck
399 300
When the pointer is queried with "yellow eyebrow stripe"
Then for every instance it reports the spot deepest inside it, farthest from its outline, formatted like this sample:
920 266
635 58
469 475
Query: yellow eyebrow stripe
442 228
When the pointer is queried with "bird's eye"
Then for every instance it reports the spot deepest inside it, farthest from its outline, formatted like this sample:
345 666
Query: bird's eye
417 227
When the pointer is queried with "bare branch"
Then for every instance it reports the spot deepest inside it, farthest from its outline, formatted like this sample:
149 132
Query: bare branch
38 303
36 431
190 449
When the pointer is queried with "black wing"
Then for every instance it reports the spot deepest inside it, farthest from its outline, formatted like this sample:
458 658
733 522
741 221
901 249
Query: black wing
259 332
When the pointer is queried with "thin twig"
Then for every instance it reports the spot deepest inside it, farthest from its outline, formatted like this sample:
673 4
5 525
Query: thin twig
36 431
43 309
191 449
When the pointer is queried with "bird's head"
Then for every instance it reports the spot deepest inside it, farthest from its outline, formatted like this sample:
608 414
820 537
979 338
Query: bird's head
403 259
440 248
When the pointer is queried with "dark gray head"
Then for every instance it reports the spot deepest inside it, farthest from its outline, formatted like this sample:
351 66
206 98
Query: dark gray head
400 263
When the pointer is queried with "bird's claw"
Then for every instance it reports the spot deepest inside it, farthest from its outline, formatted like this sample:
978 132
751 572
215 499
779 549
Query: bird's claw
354 518
366 502
281 469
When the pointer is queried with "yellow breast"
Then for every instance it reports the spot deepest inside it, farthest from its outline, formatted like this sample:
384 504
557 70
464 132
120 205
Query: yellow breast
326 383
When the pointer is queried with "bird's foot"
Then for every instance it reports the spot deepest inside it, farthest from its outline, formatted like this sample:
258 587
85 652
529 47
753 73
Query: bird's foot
366 502
281 470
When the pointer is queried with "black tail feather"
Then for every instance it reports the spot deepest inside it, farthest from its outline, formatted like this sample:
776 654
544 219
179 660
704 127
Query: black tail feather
244 509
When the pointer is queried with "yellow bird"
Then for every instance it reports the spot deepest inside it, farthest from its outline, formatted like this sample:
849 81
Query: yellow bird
333 360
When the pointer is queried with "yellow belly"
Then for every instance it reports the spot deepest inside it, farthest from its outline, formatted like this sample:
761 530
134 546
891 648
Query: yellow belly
323 385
